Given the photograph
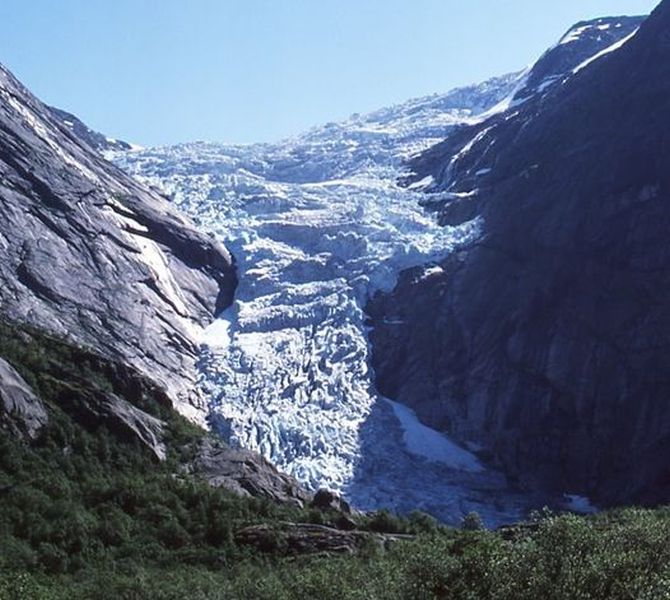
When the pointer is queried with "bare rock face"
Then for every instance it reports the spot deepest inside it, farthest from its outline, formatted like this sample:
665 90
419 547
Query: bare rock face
21 411
328 500
544 344
245 473
122 281
94 257
94 407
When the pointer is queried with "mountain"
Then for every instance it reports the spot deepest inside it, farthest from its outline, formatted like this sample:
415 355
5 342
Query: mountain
544 340
534 335
318 224
579 46
90 255
104 293
459 168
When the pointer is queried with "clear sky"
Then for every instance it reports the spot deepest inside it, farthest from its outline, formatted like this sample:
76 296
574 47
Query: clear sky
168 71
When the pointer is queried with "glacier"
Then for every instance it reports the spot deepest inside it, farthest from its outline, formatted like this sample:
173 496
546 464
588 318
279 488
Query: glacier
318 224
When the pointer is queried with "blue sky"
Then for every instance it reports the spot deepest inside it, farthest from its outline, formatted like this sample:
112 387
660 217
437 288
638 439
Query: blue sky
168 71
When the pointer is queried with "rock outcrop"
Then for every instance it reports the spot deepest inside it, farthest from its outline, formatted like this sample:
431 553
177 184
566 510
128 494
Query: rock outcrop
305 538
544 344
245 473
92 256
94 407
21 411
327 500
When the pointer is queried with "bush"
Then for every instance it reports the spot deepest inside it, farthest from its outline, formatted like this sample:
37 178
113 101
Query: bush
472 522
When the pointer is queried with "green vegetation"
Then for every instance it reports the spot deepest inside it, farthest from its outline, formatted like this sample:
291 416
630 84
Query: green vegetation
620 555
80 495
85 514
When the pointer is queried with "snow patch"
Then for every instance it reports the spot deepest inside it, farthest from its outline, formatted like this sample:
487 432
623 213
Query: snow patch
431 271
433 445
217 335
575 34
423 183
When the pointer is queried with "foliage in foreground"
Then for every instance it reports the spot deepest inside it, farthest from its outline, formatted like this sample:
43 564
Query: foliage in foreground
620 555
86 515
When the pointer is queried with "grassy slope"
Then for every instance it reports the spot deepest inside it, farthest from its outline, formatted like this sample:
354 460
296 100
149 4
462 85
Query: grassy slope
84 514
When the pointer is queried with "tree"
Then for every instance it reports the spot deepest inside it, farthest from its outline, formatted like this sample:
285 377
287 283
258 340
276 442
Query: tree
472 522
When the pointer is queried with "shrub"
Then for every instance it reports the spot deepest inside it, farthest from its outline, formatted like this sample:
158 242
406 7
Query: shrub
472 522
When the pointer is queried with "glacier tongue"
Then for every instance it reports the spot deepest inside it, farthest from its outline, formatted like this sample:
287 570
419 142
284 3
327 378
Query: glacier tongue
318 224
286 367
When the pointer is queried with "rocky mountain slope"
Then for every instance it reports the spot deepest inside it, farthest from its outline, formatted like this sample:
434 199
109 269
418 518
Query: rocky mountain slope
544 342
90 255
105 290
319 224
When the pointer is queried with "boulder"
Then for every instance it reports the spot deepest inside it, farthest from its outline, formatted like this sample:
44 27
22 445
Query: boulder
328 500
245 473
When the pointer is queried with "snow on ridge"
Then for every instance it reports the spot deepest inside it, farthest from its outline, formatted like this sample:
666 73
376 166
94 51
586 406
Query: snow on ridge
602 24
575 34
613 48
